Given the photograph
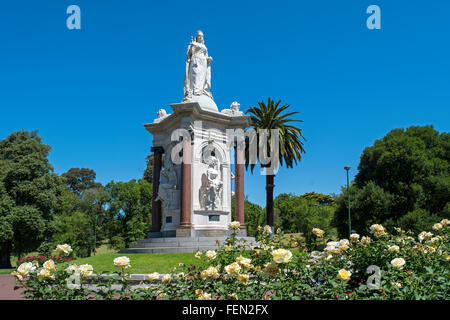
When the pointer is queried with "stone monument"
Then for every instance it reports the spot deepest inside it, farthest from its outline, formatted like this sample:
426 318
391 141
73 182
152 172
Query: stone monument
192 189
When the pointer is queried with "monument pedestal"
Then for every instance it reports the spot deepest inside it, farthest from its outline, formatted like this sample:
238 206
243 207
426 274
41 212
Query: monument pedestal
192 184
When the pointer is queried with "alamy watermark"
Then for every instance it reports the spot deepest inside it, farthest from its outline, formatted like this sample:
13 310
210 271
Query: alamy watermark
74 20
258 145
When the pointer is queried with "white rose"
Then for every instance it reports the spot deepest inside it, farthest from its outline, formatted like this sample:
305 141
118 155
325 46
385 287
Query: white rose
210 254
398 263
26 268
282 256
166 278
122 262
394 249
267 230
72 269
437 226
354 237
85 270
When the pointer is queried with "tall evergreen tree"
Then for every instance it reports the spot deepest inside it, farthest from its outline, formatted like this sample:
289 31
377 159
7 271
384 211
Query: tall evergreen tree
29 192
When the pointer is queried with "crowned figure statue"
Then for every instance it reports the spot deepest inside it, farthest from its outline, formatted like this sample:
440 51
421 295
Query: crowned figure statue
197 79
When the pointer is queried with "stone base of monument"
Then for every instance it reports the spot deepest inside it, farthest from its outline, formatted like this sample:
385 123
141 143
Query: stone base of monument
181 244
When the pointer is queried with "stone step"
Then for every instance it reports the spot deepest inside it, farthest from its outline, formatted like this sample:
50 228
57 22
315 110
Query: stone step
174 244
189 239
167 249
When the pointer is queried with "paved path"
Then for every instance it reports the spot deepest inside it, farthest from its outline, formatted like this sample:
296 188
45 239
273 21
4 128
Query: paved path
7 292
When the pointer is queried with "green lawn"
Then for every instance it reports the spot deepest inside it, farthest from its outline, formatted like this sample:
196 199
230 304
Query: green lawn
140 262
6 271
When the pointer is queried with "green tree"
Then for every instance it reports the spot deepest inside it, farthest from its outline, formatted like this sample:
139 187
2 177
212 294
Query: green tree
320 198
130 207
79 180
81 218
404 178
72 226
29 192
254 216
264 118
148 173
298 214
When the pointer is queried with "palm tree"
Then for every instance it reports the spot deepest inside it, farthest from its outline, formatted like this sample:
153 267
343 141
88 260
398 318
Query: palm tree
264 118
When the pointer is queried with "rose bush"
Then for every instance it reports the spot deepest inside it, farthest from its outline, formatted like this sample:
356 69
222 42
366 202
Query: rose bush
277 267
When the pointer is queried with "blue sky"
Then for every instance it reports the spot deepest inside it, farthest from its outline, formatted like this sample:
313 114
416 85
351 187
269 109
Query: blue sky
90 91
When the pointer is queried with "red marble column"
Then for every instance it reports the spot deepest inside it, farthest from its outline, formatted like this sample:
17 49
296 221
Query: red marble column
186 205
239 186
156 205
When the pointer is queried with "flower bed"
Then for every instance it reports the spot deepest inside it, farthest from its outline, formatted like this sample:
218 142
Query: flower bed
384 265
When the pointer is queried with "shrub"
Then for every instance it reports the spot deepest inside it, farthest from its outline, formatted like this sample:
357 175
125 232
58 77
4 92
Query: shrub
388 265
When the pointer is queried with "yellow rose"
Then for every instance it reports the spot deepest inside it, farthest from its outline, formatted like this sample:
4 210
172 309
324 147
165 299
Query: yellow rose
198 292
318 232
245 262
344 274
166 278
85 270
227 248
425 235
233 268
153 276
198 254
243 278
444 222
437 226
271 270
49 265
205 296
64 249
45 274
234 225
282 256
17 275
378 230
210 273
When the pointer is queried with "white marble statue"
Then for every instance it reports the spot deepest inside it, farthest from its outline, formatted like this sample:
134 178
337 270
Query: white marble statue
162 114
234 110
197 79
214 184
167 191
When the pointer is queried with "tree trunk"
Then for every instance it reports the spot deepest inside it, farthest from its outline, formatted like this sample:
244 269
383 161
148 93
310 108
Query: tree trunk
269 199
5 255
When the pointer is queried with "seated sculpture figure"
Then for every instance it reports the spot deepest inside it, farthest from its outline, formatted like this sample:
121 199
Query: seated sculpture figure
214 184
